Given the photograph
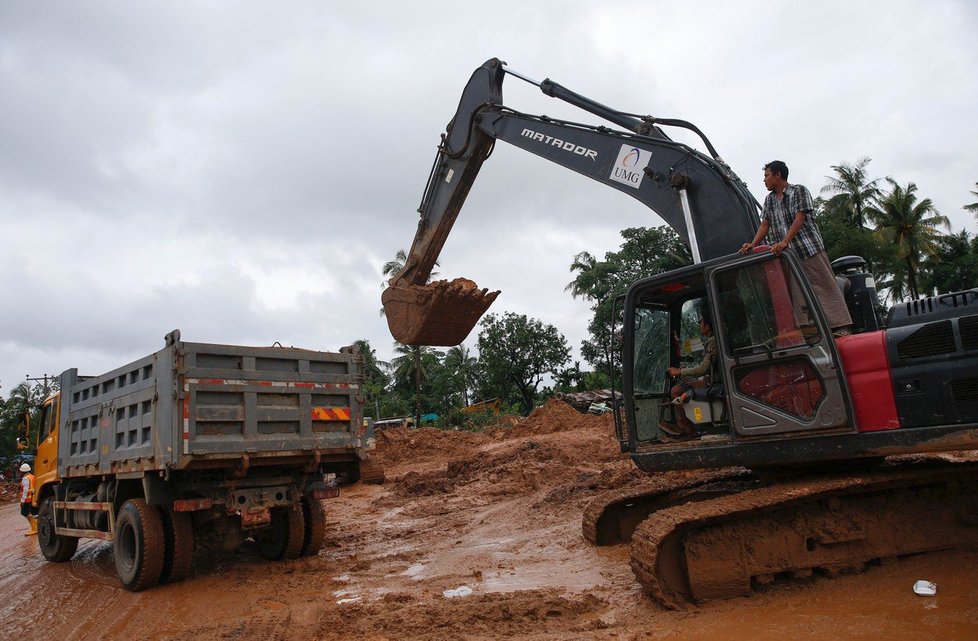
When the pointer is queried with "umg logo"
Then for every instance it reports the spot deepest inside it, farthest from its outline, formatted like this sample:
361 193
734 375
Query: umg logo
630 165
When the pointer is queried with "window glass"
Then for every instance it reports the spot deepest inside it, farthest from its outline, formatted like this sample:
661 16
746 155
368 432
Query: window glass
47 420
651 350
691 345
792 386
762 308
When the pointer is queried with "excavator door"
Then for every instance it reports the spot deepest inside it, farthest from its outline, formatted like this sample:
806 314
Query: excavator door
779 359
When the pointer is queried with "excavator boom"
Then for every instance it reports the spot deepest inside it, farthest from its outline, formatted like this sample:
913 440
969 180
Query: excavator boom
696 194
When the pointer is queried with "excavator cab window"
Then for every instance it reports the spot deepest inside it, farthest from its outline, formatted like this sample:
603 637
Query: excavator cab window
691 344
666 333
651 359
762 308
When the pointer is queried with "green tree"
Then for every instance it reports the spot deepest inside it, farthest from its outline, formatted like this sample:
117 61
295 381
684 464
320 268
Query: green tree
24 398
515 353
973 207
842 238
852 193
913 228
376 382
644 252
574 379
413 367
461 368
955 266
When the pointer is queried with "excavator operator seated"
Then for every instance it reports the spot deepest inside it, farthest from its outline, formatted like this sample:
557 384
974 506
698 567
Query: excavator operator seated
698 381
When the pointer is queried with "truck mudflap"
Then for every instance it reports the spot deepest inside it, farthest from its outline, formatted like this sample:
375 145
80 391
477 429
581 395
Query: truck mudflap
729 545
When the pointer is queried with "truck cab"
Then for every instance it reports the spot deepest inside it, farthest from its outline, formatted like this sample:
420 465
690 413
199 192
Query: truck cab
46 447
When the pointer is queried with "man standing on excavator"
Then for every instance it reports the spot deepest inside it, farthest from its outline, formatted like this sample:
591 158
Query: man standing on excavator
788 216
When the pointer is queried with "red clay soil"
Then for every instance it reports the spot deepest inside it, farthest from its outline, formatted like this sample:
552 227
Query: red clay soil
438 313
473 536
9 492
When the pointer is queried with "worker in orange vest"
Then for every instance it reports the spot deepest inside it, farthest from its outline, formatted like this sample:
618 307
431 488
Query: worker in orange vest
27 499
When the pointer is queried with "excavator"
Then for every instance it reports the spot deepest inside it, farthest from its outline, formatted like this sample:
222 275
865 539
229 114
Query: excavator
812 454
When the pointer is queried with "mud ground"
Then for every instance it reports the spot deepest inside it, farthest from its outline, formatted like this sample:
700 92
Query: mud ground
473 536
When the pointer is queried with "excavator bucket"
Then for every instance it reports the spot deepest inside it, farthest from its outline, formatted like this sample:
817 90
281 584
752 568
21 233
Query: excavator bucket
441 313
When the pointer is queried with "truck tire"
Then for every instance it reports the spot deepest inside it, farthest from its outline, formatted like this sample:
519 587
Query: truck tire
371 471
315 530
178 539
138 545
283 540
54 547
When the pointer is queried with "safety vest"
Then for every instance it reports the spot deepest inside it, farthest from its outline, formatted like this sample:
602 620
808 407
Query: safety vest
27 488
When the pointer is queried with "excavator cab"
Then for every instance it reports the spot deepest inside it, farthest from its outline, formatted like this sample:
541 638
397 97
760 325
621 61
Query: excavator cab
777 369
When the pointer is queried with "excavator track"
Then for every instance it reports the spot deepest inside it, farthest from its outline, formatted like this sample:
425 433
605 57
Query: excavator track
726 545
610 518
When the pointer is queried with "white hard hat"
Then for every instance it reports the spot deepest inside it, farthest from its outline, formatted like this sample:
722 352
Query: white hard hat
25 468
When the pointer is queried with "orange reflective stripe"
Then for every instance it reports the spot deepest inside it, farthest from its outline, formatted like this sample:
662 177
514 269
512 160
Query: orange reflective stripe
330 413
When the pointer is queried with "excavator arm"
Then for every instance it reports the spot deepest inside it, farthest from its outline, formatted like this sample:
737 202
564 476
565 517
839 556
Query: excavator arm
696 194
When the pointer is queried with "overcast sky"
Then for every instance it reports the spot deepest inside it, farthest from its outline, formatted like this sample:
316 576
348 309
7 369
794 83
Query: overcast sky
242 170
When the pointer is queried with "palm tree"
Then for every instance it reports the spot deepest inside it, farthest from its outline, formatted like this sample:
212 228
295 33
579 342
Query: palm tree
583 263
853 195
392 267
461 364
414 361
973 207
913 228
23 400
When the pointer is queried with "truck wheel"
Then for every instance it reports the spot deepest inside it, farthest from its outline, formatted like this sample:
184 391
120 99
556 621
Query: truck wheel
178 539
371 471
138 545
315 530
283 540
54 547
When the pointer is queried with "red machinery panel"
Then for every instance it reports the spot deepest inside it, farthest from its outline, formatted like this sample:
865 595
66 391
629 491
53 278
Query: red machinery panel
870 384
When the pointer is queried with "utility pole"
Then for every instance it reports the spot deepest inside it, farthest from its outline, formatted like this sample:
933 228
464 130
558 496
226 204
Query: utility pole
33 379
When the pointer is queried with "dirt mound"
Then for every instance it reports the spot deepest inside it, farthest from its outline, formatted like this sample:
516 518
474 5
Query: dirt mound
404 445
558 416
556 453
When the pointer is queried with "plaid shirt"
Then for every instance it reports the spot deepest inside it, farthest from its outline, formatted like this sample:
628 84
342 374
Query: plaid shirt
781 213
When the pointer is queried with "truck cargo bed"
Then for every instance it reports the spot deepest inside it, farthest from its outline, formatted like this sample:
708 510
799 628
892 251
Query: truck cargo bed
193 405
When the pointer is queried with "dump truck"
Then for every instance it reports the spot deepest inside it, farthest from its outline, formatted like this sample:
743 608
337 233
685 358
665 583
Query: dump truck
198 442
824 454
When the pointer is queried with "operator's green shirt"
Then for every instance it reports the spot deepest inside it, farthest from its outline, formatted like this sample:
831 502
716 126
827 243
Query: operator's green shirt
705 368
